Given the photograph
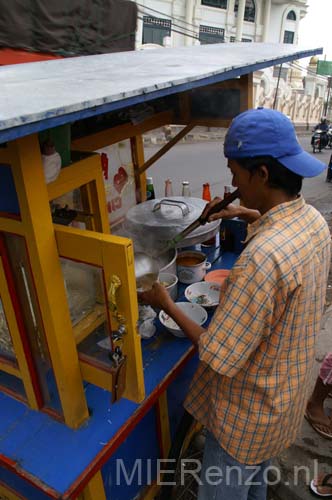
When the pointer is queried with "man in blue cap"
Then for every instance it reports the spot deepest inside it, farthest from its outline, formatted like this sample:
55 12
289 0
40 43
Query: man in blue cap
250 388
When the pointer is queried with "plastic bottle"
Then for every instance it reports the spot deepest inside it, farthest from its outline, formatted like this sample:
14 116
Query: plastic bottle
185 188
206 195
168 188
150 195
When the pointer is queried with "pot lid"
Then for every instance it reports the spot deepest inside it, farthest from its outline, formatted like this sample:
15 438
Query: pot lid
162 219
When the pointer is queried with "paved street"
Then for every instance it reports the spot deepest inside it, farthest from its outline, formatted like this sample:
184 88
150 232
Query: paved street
204 162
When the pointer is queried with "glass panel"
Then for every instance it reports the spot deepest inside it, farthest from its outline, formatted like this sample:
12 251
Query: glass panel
291 15
221 4
289 37
6 344
34 329
85 290
249 11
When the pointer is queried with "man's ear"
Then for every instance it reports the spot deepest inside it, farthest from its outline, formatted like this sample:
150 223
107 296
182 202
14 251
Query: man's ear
263 173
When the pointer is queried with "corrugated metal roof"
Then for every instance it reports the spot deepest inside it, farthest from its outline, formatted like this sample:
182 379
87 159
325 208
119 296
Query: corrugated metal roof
45 94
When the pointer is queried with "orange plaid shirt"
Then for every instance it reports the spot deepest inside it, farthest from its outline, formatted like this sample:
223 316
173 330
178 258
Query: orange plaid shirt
250 388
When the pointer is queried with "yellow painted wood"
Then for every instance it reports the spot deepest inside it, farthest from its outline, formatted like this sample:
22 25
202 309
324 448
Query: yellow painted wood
11 369
247 82
45 265
23 370
11 226
119 133
115 255
95 489
89 323
137 148
162 405
167 147
96 376
150 492
75 175
6 494
5 155
119 261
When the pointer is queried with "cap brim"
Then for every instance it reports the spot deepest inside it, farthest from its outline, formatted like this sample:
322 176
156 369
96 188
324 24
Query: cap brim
303 164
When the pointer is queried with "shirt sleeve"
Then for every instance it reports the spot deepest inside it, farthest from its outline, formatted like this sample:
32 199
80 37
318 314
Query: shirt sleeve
241 321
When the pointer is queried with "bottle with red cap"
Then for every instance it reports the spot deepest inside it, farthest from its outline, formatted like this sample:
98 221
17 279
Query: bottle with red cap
206 195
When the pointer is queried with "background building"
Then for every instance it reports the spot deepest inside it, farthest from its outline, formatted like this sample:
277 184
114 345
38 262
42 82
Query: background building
295 90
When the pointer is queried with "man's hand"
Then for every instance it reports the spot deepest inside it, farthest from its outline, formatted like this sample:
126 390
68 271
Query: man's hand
227 213
157 297
247 214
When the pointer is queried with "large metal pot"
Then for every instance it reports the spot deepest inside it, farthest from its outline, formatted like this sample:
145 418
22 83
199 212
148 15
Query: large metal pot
155 222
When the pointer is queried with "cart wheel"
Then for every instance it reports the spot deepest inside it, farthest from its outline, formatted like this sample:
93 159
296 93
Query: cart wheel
188 444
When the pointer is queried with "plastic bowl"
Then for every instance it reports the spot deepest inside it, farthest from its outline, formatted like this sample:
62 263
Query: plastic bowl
203 293
197 313
170 282
217 276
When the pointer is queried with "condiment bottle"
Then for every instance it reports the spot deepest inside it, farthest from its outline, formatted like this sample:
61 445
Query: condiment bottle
185 188
168 187
206 195
150 189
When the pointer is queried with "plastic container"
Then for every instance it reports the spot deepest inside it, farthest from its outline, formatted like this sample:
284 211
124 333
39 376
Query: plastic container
191 266
170 282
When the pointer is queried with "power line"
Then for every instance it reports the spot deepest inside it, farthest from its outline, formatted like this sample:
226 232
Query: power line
177 31
167 15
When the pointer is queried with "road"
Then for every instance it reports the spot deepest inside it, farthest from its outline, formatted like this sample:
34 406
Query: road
204 162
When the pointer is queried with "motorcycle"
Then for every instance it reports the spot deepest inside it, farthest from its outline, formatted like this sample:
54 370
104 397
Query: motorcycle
319 140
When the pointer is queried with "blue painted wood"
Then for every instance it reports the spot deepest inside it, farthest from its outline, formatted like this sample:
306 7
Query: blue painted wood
57 455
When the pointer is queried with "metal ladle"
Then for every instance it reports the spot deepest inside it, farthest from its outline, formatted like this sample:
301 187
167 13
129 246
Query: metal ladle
147 266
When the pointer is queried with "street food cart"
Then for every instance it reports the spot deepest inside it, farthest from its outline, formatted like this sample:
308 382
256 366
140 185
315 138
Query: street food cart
88 407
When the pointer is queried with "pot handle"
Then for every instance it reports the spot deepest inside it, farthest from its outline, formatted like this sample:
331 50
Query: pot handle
182 205
208 265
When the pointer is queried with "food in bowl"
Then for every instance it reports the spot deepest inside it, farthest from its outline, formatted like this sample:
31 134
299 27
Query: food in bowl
170 282
190 260
196 312
203 293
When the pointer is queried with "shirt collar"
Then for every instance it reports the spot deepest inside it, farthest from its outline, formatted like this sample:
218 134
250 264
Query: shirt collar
274 214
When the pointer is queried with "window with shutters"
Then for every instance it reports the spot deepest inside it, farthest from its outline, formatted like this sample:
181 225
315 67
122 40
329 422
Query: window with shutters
209 34
155 29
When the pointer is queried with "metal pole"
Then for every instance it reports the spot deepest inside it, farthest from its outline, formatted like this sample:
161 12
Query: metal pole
275 96
328 95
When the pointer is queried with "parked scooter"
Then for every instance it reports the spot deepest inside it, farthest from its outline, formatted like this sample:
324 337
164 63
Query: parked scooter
319 140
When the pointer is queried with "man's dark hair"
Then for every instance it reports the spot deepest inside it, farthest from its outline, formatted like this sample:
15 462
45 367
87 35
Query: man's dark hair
280 177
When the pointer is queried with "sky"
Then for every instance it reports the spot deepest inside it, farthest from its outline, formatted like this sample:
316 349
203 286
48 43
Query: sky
315 28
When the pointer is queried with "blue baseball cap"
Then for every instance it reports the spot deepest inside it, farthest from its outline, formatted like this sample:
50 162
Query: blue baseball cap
267 132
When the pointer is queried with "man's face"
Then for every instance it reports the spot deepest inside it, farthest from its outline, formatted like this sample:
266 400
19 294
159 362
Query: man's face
249 184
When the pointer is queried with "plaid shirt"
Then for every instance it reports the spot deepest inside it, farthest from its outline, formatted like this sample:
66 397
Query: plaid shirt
256 357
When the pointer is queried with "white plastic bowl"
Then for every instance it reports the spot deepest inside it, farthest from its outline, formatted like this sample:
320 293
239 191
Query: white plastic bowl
194 311
203 293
